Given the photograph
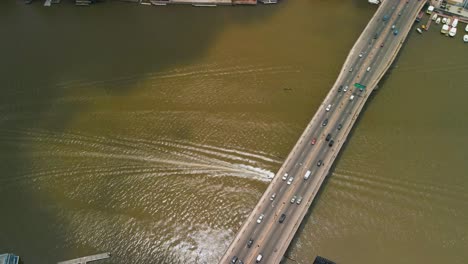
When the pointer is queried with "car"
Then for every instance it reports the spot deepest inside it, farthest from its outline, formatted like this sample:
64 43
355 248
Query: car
325 122
260 218
234 259
319 163
381 45
240 262
395 32
393 26
273 196
351 69
299 200
282 217
250 243
376 35
314 140
328 137
399 14
290 180
368 69
360 55
293 199
285 176
351 97
385 18
331 143
328 107
259 258
340 88
340 126
345 88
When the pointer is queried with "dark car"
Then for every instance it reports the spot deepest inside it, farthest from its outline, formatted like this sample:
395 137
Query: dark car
340 126
325 122
319 163
385 18
331 143
282 217
340 88
234 259
250 243
328 137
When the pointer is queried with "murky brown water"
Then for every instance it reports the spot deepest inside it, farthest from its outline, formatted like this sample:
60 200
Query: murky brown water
152 132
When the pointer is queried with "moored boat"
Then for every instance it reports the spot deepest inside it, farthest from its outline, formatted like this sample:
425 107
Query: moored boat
449 21
434 17
465 38
419 30
466 29
445 29
453 32
444 20
438 21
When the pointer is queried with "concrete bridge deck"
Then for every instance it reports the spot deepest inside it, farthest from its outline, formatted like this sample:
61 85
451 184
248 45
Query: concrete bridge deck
367 62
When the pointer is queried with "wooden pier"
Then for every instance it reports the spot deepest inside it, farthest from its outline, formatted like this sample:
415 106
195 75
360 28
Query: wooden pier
87 259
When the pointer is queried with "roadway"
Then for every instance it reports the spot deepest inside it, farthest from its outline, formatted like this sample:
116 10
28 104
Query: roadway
368 60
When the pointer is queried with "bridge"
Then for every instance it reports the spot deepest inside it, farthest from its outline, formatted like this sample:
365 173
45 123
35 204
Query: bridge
270 227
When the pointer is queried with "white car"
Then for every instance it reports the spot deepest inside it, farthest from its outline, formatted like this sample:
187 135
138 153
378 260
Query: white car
299 200
293 199
345 88
328 107
260 218
273 196
285 176
290 180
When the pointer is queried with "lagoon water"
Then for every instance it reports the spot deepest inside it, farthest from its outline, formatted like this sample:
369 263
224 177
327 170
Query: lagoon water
151 132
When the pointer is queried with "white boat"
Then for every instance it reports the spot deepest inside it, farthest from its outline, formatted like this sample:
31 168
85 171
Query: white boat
375 2
465 38
455 22
445 29
444 20
419 30
466 29
429 10
434 17
448 21
438 20
453 32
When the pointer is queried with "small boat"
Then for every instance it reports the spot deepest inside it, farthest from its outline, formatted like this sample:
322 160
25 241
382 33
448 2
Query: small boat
455 22
453 32
444 20
466 29
419 30
465 38
434 17
430 9
445 29
448 21
438 21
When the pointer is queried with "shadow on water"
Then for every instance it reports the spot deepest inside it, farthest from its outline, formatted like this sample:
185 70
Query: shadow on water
381 84
43 48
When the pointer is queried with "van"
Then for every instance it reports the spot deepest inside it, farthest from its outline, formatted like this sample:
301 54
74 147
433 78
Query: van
351 97
368 69
259 258
307 175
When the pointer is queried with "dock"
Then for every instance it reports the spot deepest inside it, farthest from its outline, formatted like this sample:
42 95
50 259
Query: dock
84 260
